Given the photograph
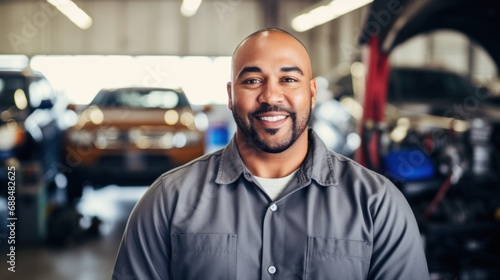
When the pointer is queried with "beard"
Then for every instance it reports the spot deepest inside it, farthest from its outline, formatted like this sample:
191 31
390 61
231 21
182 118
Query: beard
247 128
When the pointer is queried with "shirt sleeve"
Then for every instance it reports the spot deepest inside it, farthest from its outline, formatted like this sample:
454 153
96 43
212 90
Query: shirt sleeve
398 252
144 248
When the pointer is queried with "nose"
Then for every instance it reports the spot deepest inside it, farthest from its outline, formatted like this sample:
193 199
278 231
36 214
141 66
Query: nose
271 93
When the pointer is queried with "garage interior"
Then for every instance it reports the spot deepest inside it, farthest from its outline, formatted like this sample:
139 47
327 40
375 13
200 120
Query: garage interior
445 157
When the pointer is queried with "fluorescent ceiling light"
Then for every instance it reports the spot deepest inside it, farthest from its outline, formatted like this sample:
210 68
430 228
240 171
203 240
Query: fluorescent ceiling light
189 7
325 13
73 12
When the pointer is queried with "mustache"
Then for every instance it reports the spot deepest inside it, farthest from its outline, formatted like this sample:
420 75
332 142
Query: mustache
265 108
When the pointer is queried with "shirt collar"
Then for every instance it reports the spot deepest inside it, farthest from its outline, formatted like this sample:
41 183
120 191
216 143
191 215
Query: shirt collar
317 166
231 165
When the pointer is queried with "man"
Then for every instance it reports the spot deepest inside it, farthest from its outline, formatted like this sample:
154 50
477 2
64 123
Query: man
274 204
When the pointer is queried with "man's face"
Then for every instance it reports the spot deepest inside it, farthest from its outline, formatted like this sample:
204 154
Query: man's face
272 91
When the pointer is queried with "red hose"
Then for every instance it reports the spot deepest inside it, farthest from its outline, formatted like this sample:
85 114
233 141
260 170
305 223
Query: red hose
437 199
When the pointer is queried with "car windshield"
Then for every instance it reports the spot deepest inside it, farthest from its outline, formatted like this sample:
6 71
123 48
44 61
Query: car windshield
141 99
411 85
12 92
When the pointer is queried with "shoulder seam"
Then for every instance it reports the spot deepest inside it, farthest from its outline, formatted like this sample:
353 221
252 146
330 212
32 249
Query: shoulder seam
186 165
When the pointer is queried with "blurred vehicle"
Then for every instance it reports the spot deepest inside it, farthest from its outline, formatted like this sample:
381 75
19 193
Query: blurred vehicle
130 136
431 110
339 133
337 130
31 126
440 144
441 119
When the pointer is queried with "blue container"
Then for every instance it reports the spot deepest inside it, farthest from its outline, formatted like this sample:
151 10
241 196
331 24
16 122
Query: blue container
409 165
217 137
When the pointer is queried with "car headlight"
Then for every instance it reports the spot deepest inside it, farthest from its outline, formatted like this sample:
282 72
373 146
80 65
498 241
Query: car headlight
186 138
179 139
11 134
7 137
201 121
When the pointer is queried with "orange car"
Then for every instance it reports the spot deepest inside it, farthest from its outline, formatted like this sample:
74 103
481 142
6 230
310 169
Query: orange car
130 136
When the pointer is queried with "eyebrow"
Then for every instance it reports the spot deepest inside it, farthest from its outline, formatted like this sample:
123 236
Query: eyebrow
249 69
292 69
255 69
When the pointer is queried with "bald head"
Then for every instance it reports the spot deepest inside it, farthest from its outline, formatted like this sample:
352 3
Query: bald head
270 42
265 32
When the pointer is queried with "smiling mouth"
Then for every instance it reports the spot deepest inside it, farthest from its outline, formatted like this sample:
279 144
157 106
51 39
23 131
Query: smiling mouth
271 118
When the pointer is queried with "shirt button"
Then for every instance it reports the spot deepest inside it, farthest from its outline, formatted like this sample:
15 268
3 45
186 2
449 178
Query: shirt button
271 269
273 207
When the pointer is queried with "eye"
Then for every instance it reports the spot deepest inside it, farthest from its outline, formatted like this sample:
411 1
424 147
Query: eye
289 80
251 81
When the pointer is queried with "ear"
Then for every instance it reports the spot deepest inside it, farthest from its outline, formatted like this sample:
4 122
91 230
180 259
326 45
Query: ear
314 89
229 96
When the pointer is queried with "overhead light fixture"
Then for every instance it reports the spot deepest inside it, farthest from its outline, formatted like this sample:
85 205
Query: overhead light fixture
189 7
325 13
73 12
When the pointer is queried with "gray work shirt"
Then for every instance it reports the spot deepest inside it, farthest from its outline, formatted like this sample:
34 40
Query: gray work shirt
210 219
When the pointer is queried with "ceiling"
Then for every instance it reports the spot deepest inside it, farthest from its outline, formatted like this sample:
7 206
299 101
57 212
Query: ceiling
477 19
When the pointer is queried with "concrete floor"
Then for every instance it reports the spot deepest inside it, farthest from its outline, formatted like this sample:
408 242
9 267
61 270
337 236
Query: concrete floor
86 257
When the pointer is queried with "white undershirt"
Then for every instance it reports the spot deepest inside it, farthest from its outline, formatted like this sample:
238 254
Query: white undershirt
274 186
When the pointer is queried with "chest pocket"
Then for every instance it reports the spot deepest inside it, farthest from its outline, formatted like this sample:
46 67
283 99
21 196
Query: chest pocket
329 258
203 256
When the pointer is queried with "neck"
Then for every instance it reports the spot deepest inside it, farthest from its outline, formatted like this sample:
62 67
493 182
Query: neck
272 165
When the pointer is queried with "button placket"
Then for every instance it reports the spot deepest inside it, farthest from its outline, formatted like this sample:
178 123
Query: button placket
269 245
272 269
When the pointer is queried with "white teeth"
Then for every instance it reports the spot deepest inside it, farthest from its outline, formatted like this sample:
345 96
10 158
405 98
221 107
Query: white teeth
272 119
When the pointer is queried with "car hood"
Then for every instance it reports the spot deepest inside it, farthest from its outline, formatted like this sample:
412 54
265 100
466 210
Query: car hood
125 117
459 110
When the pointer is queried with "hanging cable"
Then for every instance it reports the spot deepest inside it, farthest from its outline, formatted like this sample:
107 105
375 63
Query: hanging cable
438 197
